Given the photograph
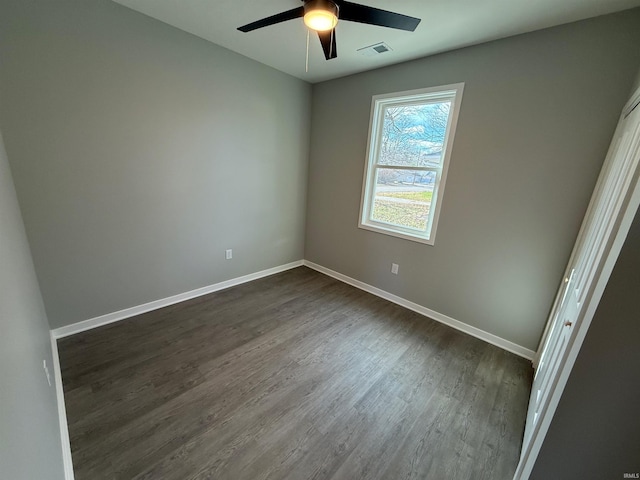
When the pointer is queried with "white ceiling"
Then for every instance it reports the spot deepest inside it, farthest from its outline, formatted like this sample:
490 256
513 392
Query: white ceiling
446 25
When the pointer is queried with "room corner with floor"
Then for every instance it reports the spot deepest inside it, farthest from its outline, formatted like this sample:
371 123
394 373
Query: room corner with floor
295 375
179 229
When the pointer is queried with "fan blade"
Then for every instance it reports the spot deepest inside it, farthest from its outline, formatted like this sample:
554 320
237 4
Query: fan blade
354 12
272 20
328 41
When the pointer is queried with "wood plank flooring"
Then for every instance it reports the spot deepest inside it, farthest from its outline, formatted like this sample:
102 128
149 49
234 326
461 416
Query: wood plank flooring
294 376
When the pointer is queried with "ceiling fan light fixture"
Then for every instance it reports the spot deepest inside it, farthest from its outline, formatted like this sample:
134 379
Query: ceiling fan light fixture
320 20
320 15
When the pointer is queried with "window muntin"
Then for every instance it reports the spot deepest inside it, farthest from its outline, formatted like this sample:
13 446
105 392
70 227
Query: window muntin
410 139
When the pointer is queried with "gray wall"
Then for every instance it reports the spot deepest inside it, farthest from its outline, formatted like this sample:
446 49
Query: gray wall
29 433
140 153
594 432
537 116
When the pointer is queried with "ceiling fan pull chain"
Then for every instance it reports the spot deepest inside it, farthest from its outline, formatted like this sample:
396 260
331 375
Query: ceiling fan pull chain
306 65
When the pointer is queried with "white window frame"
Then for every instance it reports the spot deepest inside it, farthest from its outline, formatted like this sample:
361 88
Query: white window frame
451 92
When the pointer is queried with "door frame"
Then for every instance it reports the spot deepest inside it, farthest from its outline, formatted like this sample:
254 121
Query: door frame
628 209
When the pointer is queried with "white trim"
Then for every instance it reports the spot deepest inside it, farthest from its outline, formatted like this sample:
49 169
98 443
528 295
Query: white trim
632 104
62 411
427 312
627 212
165 302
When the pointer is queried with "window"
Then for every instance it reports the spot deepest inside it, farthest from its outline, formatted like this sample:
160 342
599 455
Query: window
410 139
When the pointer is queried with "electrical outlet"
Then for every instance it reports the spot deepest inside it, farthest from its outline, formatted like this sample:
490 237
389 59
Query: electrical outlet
394 268
228 254
46 371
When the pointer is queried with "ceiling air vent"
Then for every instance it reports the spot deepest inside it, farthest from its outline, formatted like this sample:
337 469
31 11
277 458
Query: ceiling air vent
375 49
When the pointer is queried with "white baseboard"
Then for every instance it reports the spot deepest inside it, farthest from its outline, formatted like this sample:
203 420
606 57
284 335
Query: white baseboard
165 302
452 322
67 461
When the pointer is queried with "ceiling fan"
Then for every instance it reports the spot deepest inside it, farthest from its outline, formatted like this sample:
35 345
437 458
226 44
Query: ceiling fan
322 16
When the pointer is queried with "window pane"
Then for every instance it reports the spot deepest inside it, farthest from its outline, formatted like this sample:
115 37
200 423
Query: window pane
410 135
403 197
413 135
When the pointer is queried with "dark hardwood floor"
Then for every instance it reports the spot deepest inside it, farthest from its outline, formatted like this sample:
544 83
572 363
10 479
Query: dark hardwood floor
294 376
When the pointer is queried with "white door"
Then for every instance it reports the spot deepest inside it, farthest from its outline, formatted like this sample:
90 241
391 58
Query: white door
614 201
555 345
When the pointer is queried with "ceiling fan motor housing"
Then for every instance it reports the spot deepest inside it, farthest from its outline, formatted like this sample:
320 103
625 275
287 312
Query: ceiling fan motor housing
326 5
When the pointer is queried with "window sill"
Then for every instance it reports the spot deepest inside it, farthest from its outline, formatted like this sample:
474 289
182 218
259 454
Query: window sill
396 233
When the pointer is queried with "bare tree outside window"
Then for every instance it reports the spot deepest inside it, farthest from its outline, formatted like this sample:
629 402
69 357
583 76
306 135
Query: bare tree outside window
408 142
412 136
